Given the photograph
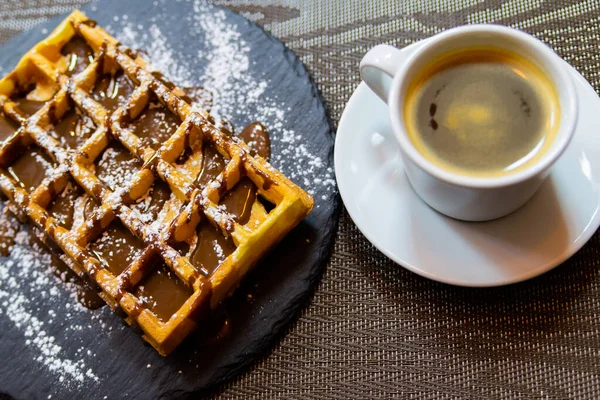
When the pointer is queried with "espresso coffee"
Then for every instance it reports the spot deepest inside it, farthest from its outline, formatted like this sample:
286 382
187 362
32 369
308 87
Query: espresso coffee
482 112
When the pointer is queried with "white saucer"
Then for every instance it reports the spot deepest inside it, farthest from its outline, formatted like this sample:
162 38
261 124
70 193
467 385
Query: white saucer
549 229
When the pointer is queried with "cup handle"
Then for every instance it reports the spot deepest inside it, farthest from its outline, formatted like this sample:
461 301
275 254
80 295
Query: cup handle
378 67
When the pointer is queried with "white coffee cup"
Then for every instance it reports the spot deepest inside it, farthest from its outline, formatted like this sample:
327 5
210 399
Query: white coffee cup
389 71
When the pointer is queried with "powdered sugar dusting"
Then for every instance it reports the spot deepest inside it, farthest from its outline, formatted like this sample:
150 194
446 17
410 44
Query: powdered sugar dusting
228 75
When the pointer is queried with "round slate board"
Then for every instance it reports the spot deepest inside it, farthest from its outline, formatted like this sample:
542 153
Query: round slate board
120 362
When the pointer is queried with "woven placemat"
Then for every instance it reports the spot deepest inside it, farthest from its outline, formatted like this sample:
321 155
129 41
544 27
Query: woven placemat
374 330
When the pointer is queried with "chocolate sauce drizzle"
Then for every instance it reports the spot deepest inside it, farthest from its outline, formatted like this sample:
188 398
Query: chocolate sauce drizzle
162 292
116 247
7 126
28 107
155 125
30 169
112 91
80 55
73 128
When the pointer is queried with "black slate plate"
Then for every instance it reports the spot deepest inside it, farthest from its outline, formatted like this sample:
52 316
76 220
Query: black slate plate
120 364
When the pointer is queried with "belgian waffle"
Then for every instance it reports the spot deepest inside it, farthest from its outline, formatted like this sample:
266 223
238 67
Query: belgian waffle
138 191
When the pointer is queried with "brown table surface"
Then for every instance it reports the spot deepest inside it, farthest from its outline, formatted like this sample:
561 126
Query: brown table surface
373 329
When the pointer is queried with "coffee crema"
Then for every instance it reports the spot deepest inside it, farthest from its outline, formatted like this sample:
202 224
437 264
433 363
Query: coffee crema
482 112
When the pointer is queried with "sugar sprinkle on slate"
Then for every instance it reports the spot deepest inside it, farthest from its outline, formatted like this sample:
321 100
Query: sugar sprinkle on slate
27 274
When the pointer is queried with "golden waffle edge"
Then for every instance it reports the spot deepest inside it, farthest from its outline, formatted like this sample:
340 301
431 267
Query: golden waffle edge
195 248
